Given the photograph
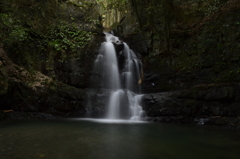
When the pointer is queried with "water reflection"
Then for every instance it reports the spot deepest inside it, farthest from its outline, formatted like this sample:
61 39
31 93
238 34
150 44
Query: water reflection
88 139
110 121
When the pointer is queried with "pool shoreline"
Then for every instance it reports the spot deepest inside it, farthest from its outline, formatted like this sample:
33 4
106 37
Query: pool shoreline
225 122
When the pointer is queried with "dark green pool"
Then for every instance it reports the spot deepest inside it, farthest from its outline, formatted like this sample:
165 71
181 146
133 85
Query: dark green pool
86 139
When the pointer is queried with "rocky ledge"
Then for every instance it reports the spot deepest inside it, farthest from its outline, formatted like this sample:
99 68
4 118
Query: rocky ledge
203 104
31 95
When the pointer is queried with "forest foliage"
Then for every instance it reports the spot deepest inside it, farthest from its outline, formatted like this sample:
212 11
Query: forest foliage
50 29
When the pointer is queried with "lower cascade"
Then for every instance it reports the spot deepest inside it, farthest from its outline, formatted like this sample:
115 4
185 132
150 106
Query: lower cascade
119 70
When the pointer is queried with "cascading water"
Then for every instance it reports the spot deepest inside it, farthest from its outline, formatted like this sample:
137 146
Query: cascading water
119 70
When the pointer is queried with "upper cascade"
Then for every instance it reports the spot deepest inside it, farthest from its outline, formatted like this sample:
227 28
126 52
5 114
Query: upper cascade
111 38
120 70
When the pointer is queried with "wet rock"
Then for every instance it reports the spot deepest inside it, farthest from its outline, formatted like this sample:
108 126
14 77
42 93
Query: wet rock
121 60
223 93
201 101
119 46
4 87
98 101
171 119
228 122
16 115
151 77
60 100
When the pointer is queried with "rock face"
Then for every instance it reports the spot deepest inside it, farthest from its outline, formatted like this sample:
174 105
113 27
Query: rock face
202 104
97 103
203 46
61 101
25 92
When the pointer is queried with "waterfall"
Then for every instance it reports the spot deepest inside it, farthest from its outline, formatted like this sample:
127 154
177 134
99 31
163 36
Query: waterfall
119 70
112 80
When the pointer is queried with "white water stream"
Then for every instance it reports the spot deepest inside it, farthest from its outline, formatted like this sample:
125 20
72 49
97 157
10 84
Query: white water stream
124 84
